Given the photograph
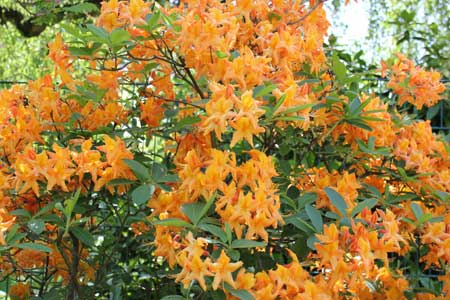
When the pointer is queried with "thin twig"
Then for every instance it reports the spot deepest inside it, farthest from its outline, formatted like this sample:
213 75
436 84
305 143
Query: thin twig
312 9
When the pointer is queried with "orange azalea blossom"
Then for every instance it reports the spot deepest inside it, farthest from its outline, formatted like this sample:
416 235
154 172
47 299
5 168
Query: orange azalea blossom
222 269
6 221
166 245
115 152
413 84
20 291
424 153
245 122
194 267
115 14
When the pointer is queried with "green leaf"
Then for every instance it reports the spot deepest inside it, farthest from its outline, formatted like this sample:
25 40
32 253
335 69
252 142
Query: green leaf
142 194
358 122
70 204
99 32
116 291
12 232
221 54
119 36
315 217
138 169
369 203
339 69
207 206
45 209
311 241
354 106
312 80
301 224
21 213
214 230
417 210
73 30
153 20
425 218
80 51
158 171
36 225
293 192
433 111
33 246
306 198
83 235
279 103
173 297
246 244
82 8
297 108
289 118
241 294
228 232
172 222
337 200
193 211
13 238
188 121
120 181
263 90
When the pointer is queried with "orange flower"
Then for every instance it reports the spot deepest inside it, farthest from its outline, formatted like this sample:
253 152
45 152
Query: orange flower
413 84
20 291
222 270
6 221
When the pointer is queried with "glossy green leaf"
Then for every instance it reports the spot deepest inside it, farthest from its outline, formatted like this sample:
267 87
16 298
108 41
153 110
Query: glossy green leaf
315 217
241 294
83 235
337 200
33 246
173 222
246 244
142 194
36 225
214 230
138 169
119 36
417 210
368 203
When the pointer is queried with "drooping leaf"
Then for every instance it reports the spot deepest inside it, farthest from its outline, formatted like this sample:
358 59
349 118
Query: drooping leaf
368 203
83 235
337 200
241 294
33 246
417 210
138 169
142 194
315 217
246 244
172 222
214 230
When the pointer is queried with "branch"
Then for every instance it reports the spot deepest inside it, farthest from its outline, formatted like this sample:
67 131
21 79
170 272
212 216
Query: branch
312 9
27 26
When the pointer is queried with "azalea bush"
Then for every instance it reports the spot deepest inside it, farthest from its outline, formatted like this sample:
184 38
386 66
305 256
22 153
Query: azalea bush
220 150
